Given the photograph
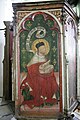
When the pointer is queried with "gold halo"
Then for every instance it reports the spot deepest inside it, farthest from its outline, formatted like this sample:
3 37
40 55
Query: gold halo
40 40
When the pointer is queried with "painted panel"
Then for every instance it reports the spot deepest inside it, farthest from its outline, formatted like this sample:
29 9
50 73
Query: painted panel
39 64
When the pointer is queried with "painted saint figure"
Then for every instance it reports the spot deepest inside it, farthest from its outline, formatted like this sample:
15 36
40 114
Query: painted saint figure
40 86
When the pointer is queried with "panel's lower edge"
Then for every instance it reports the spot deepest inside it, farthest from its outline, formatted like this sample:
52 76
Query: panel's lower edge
38 115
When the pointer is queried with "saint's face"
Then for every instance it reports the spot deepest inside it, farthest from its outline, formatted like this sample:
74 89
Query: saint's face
42 50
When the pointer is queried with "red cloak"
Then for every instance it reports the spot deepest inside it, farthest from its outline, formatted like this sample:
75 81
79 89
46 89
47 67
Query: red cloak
42 85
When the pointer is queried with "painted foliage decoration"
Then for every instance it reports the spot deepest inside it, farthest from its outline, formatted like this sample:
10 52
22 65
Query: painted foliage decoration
39 25
39 35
